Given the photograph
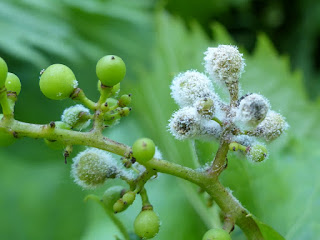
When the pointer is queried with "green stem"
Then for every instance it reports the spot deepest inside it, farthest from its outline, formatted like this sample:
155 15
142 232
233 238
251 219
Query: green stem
113 217
5 104
209 182
218 121
79 95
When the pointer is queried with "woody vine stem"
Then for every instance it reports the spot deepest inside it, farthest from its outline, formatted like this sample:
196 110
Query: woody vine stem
202 115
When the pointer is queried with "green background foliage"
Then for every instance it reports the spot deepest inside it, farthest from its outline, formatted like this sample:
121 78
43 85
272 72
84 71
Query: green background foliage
40 201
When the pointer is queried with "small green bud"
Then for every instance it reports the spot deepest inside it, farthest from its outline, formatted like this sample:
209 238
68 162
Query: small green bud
6 138
216 234
119 206
78 117
124 100
234 146
93 167
110 70
129 197
124 112
111 195
258 153
13 83
112 103
143 149
58 82
54 144
3 72
147 224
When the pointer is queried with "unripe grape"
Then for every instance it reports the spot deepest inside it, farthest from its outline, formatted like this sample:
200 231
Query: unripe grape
143 149
147 224
58 82
119 206
6 138
93 167
13 83
111 195
3 72
110 70
129 197
258 153
54 144
111 102
216 234
124 100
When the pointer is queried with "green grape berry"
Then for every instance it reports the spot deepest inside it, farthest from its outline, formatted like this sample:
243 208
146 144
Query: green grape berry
58 82
110 70
258 153
119 206
3 72
129 197
147 224
143 149
216 234
111 196
6 138
124 100
13 83
54 144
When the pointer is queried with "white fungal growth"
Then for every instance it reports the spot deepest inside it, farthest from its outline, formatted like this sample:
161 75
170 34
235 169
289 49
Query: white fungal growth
244 140
92 167
272 126
251 111
158 153
190 86
75 83
72 116
209 129
185 123
224 63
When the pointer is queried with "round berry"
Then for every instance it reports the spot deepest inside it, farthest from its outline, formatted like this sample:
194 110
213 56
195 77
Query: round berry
93 167
13 83
216 234
143 149
147 224
6 138
54 144
124 100
77 116
258 153
110 70
119 206
129 197
111 195
3 72
58 82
